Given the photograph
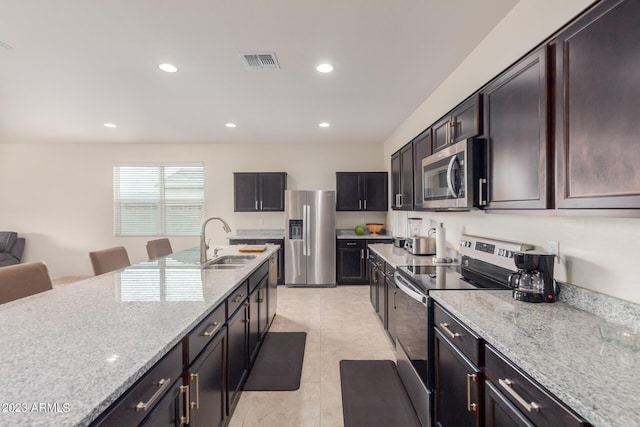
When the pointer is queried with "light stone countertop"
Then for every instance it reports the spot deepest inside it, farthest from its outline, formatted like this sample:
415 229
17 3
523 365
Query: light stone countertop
560 347
398 257
351 234
257 234
82 345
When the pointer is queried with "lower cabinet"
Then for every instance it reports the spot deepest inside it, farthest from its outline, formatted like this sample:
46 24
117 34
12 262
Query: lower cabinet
351 262
207 400
237 365
499 412
391 290
171 409
373 277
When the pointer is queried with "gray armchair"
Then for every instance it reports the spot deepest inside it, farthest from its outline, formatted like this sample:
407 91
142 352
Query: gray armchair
11 248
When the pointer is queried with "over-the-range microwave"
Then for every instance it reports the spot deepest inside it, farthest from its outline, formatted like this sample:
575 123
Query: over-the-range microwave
455 178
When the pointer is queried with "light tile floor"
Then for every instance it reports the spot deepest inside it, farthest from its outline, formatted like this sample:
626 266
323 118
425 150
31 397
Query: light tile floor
340 324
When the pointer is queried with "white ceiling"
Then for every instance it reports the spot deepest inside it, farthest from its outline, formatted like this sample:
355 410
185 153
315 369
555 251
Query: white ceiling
77 64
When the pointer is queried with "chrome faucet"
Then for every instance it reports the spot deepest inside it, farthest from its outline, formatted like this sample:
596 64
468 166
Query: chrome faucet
203 240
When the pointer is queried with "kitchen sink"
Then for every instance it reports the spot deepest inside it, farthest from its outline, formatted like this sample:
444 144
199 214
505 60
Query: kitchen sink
228 262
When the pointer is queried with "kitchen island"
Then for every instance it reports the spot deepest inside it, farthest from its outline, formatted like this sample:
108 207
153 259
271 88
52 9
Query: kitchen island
69 353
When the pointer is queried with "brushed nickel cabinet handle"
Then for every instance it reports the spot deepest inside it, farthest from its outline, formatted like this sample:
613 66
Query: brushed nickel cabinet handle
361 253
471 407
196 404
360 204
260 204
256 205
163 385
186 419
238 298
481 198
216 327
445 327
507 384
365 204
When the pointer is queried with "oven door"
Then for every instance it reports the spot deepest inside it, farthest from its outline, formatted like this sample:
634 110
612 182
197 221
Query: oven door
412 345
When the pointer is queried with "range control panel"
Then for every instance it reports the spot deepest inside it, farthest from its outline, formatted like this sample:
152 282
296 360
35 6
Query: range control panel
495 251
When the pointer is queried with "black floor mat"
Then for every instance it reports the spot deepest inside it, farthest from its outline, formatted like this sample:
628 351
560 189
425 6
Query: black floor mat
278 366
373 395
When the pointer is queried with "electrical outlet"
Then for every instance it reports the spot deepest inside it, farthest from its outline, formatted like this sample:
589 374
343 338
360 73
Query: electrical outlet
261 222
554 248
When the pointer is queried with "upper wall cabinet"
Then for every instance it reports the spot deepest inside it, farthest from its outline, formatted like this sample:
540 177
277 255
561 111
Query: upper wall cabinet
421 149
256 192
361 191
516 117
597 94
465 121
402 178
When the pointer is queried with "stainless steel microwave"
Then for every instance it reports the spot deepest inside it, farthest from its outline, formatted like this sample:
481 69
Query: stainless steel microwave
455 178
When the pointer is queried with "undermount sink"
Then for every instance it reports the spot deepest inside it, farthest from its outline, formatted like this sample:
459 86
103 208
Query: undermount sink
228 262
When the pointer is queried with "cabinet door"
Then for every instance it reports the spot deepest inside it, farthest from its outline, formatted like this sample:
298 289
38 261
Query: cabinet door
272 186
351 262
254 325
597 92
440 131
516 117
348 197
466 120
373 284
395 181
237 355
391 289
421 149
206 384
499 412
406 178
457 386
245 192
375 193
263 315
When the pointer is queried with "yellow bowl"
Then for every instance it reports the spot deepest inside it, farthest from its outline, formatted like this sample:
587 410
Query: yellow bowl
374 228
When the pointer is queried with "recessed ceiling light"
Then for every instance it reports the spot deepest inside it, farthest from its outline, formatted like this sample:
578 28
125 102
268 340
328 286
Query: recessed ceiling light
169 68
230 125
110 125
325 68
324 125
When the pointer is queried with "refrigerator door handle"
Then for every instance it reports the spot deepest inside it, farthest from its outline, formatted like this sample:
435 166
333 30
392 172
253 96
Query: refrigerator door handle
304 230
307 237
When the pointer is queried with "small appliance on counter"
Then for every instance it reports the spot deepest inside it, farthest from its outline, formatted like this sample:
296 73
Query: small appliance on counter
399 242
533 282
420 245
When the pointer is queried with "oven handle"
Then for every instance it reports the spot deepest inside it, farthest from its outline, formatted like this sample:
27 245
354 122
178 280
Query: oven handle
407 288
454 159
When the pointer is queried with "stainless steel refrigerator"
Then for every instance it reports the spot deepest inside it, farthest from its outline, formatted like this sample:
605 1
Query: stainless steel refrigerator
310 238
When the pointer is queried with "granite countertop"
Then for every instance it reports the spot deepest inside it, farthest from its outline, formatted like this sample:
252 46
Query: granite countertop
258 234
82 345
559 346
351 234
398 257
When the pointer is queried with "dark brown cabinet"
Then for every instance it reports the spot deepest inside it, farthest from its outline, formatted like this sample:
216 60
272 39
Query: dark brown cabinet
402 178
361 191
257 321
237 365
169 411
597 89
391 290
351 262
421 149
499 412
207 390
279 242
464 121
516 117
256 192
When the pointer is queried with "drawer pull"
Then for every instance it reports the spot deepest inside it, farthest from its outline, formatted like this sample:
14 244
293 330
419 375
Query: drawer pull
507 384
185 420
163 385
352 243
445 327
471 407
212 332
196 404
238 298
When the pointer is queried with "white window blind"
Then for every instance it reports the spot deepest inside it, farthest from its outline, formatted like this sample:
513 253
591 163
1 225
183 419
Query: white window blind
158 200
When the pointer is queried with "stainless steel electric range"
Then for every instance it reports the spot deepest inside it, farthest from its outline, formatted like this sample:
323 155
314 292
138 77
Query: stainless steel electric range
485 263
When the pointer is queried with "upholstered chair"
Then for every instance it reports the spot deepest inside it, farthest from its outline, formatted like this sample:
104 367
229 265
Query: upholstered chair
21 280
108 260
11 248
158 248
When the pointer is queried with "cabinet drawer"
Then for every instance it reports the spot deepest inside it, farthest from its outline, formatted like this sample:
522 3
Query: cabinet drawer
258 275
236 299
351 244
200 336
535 402
465 339
139 400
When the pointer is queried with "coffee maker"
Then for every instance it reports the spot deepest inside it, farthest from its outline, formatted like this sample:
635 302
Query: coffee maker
533 282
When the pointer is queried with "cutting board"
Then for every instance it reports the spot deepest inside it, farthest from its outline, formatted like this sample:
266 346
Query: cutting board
252 248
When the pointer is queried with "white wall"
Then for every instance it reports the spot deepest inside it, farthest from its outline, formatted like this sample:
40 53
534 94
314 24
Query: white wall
596 253
60 196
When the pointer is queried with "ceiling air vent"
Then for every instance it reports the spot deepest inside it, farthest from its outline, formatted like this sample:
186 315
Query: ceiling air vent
260 61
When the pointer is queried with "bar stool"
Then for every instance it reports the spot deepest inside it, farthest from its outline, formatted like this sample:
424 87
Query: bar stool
158 248
21 280
108 260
